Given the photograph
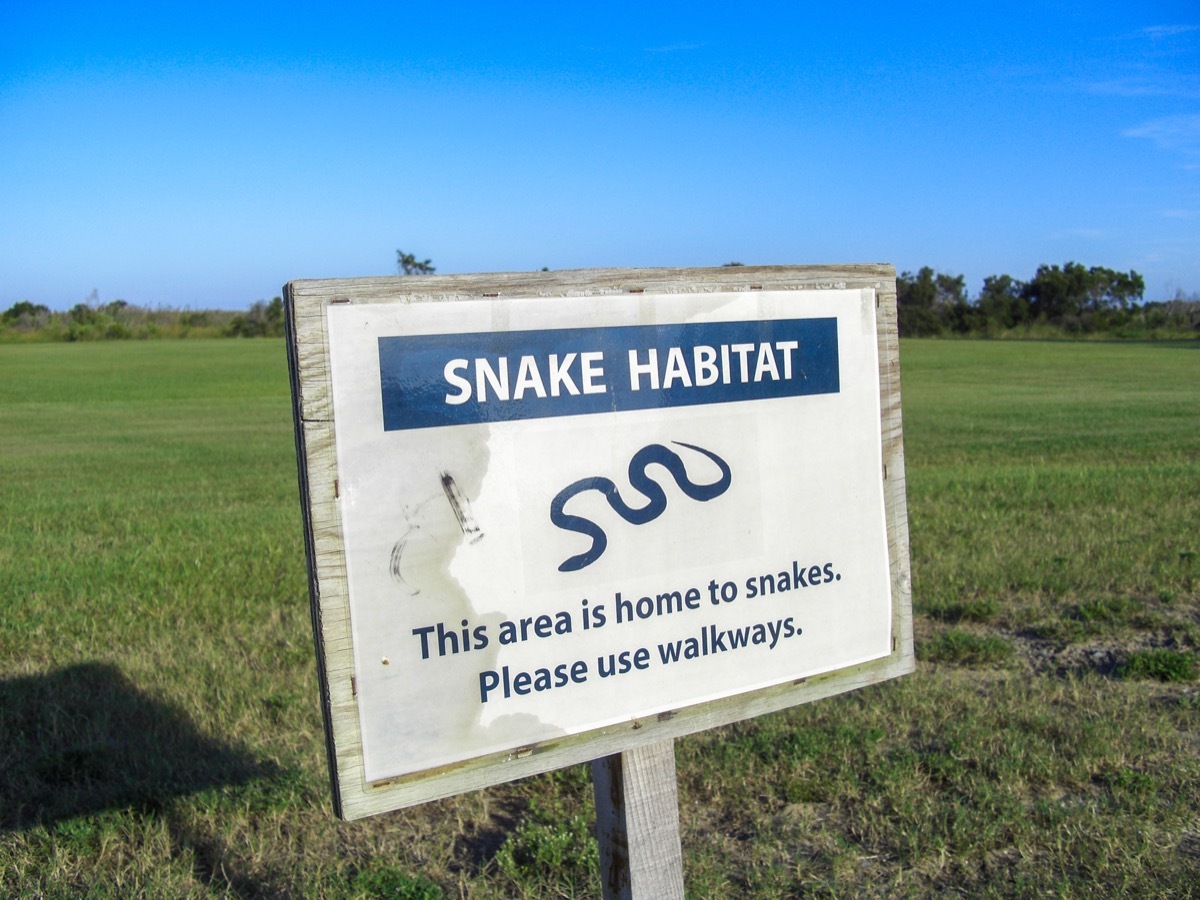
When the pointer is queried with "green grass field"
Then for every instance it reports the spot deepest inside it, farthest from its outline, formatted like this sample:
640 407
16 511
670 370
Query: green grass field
160 732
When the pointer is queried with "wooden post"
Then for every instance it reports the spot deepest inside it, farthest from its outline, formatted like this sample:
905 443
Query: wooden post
637 823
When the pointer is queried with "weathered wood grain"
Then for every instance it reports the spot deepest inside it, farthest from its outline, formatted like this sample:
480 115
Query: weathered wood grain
637 823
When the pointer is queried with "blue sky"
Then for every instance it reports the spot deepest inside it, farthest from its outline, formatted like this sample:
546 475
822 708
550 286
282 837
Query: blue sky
202 155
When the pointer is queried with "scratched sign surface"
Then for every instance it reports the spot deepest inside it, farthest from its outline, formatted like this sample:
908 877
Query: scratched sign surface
563 514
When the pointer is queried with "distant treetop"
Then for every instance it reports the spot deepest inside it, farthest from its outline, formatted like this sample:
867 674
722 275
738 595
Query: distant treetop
408 264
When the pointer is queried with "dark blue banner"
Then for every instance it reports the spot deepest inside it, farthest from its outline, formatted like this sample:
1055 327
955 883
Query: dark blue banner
461 379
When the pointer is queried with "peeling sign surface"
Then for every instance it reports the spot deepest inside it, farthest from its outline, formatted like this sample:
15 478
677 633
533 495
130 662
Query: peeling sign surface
561 514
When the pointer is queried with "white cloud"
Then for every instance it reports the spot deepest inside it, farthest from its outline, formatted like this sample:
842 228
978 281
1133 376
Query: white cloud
1148 86
1157 32
1179 133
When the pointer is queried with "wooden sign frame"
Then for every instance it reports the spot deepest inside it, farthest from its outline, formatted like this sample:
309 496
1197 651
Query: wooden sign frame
306 304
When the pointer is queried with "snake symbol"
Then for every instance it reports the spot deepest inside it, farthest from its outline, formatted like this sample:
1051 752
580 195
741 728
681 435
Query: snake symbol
641 482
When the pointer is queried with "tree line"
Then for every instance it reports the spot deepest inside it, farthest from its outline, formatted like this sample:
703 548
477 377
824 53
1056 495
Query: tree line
1067 300
118 320
1071 300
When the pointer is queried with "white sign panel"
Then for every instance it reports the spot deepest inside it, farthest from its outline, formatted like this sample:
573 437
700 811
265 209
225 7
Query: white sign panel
561 514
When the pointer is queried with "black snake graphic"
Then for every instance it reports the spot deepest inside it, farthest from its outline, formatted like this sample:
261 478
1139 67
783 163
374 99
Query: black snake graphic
641 482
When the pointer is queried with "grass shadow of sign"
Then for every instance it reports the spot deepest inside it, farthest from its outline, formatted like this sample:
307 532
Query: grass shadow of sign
84 739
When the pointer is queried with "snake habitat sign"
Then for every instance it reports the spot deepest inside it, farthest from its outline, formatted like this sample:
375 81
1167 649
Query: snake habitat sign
561 515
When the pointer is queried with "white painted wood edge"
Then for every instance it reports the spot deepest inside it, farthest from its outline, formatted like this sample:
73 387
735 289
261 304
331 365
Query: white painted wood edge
308 354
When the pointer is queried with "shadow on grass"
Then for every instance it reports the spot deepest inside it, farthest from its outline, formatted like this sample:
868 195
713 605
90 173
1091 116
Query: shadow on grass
83 740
